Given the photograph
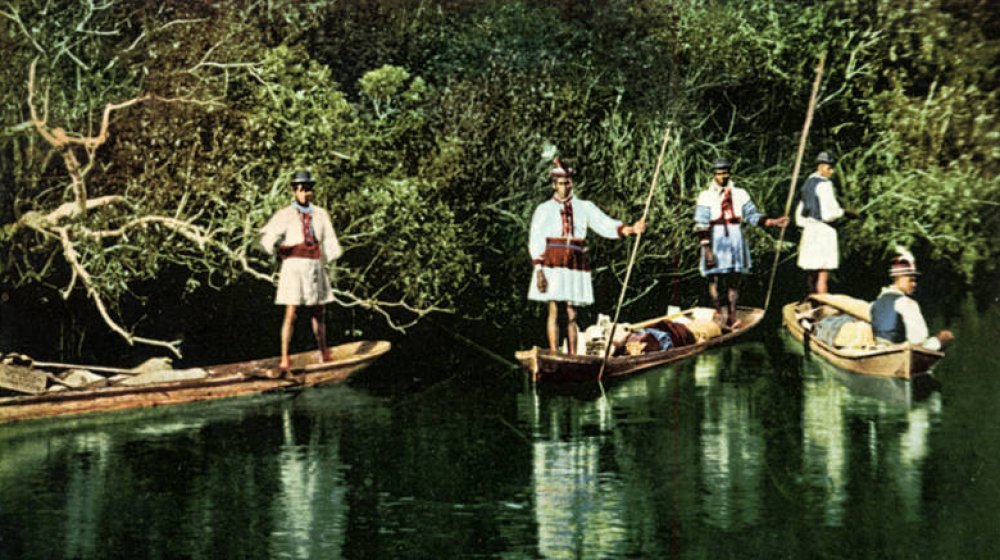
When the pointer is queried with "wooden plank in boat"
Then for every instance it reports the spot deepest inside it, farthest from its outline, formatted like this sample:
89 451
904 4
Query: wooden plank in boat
22 379
850 305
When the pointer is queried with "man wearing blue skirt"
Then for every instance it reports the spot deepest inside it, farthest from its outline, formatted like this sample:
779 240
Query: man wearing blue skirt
721 211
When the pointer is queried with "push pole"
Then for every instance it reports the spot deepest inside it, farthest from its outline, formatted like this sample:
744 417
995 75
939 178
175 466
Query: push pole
635 251
795 174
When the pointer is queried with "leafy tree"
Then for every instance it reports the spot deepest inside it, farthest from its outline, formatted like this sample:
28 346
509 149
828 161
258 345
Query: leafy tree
431 126
192 151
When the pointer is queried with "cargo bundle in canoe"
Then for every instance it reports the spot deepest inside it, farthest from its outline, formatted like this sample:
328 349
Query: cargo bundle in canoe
901 361
215 382
547 366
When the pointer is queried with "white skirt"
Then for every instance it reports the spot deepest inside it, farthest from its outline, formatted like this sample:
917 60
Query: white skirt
818 247
303 282
571 286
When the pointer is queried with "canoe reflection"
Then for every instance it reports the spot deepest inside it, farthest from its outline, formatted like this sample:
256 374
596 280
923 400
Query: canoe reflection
190 474
865 422
715 442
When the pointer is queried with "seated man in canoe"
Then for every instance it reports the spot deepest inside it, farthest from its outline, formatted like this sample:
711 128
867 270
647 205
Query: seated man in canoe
557 245
896 317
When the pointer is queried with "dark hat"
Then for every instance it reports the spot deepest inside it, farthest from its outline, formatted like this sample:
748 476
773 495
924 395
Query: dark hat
825 157
560 170
721 163
303 178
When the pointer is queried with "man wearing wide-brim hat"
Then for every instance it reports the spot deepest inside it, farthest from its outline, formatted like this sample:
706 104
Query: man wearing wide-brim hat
305 241
719 215
556 243
817 213
896 316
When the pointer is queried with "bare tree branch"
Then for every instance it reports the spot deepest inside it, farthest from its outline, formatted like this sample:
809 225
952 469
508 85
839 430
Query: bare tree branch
62 141
348 299
80 272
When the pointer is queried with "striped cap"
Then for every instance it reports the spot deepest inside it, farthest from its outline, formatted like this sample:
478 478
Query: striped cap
902 266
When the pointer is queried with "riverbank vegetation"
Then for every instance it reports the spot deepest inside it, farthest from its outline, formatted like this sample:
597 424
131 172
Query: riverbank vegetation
146 141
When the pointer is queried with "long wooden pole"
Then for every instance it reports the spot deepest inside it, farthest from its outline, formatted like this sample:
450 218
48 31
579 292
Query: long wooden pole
795 173
100 369
635 251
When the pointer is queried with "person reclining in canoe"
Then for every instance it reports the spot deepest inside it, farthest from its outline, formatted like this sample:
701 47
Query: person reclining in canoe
661 335
840 330
896 316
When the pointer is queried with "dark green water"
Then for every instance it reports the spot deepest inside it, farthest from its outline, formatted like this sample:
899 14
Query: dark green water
744 452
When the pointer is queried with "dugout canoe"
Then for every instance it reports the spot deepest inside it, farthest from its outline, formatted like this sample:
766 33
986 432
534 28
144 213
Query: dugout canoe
221 381
900 361
546 366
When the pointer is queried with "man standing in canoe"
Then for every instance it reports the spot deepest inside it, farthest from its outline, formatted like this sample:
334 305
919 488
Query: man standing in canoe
896 317
719 215
816 214
558 252
305 242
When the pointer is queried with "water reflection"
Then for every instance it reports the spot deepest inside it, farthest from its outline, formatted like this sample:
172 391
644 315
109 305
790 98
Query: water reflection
745 451
577 496
881 424
732 443
310 509
715 443
250 476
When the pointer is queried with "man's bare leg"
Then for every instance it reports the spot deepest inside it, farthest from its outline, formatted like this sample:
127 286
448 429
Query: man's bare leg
287 328
552 326
571 329
733 292
713 292
821 280
319 329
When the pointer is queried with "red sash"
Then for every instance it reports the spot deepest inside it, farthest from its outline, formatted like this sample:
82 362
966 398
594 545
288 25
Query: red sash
563 252
300 251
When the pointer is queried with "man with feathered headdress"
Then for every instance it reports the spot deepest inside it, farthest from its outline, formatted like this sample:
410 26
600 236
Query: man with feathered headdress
558 252
896 317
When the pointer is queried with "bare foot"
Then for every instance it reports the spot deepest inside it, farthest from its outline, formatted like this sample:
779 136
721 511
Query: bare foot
284 365
326 356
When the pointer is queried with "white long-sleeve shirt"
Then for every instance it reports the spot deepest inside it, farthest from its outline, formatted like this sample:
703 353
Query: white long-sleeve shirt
547 222
285 229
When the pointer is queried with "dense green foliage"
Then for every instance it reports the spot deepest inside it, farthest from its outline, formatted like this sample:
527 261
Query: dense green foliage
427 123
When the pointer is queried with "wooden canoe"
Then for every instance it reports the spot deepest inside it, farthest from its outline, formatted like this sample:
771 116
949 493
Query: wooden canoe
222 381
546 366
900 361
